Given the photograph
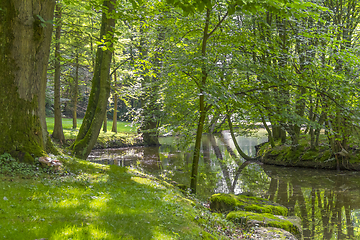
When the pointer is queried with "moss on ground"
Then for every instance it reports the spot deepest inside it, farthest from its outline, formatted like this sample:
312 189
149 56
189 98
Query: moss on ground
228 202
252 211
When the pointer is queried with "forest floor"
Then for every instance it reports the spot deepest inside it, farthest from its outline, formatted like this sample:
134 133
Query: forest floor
84 200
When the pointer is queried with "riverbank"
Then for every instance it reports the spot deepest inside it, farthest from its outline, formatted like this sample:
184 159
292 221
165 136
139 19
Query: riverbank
303 156
83 200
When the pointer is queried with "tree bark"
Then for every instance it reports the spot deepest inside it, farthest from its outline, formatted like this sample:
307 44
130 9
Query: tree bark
100 90
58 132
24 52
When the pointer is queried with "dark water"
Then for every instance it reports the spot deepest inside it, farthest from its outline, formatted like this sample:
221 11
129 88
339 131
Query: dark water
328 202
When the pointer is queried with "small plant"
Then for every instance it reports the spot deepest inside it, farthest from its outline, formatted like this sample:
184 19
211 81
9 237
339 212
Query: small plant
10 166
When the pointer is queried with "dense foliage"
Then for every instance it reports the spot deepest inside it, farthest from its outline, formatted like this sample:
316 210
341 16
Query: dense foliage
184 65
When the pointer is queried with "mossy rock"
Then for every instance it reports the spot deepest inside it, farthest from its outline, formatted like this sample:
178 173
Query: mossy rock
228 202
250 219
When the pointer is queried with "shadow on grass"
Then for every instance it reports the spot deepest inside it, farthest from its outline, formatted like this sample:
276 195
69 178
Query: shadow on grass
115 205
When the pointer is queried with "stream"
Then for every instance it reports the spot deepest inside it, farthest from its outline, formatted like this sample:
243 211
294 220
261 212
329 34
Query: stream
328 202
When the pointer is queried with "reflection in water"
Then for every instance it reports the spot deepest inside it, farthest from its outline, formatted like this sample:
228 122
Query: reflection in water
327 202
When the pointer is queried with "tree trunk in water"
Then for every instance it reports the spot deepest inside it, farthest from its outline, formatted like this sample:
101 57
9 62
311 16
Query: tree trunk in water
58 132
75 93
24 54
94 116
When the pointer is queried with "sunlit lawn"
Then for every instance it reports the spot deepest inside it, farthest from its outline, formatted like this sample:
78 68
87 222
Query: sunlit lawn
123 129
96 202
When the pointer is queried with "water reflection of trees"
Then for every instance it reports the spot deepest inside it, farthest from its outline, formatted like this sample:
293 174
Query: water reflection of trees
325 212
238 177
324 202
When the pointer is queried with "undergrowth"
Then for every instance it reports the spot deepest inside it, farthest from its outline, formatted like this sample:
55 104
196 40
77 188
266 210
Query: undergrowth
11 167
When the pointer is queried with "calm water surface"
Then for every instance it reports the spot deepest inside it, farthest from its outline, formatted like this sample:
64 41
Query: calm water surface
328 202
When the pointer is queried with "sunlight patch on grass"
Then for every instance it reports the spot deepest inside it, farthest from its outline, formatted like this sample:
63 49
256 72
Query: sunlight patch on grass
159 234
99 203
80 232
68 203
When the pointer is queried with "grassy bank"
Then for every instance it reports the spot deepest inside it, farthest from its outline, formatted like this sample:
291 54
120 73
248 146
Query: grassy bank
126 133
90 201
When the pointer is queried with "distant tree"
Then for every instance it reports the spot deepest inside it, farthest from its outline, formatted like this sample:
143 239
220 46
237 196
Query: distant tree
58 132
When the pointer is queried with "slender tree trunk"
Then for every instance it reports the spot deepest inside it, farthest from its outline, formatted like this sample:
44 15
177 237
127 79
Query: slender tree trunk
105 122
196 156
270 135
100 90
200 127
58 132
114 126
241 153
24 54
76 89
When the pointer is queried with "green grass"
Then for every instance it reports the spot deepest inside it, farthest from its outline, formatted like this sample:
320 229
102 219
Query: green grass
91 201
123 127
126 133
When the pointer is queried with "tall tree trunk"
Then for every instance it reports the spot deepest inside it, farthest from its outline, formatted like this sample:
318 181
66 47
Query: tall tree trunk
200 127
114 126
75 93
203 107
94 116
58 132
24 54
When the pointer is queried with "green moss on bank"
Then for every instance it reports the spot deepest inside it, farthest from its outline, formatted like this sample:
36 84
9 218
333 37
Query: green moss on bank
254 212
303 156
229 202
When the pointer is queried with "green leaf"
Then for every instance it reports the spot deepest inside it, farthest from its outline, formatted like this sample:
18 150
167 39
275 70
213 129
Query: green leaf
231 9
41 19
